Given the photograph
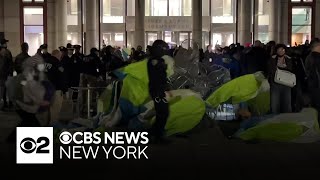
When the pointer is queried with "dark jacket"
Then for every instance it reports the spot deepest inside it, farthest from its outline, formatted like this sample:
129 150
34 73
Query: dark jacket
139 55
92 65
76 65
56 73
313 70
254 60
20 59
6 64
273 65
157 77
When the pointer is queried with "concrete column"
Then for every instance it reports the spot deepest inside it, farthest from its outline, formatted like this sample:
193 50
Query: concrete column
160 35
273 28
61 22
283 24
317 22
80 14
51 24
91 25
197 21
245 21
256 19
139 38
1 16
11 26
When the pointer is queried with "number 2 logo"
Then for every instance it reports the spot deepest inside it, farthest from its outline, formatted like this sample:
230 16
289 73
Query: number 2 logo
29 145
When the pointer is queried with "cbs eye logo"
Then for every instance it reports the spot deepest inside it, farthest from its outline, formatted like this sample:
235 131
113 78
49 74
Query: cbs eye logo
29 145
65 138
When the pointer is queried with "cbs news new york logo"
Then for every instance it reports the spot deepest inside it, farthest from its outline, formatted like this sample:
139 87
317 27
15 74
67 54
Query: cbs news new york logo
34 145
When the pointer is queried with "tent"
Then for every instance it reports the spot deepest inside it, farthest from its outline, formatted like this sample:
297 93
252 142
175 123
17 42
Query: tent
302 127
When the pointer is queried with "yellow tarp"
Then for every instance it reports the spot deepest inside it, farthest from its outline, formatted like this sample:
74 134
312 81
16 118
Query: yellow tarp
238 90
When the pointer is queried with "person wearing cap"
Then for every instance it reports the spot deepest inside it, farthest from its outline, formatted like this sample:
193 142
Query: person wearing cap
21 58
92 64
280 94
67 63
44 49
158 86
77 66
6 70
63 50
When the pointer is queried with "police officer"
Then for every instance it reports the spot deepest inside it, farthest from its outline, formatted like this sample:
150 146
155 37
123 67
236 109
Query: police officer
92 64
44 50
77 66
56 75
158 86
64 51
67 61
55 71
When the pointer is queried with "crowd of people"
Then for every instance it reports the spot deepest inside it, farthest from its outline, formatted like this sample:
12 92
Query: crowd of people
302 61
64 66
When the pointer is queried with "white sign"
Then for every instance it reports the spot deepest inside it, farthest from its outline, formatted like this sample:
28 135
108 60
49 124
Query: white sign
34 145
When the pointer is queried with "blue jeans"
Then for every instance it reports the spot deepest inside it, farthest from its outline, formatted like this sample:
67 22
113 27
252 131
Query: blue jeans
280 98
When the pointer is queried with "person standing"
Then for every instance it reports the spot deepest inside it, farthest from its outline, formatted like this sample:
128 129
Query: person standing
157 87
92 64
44 50
67 61
21 58
313 75
6 70
280 94
77 68
139 54
55 74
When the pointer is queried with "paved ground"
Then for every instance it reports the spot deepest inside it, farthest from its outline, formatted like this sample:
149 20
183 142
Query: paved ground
205 153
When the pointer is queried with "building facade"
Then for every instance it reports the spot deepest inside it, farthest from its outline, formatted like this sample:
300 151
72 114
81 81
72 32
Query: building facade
128 23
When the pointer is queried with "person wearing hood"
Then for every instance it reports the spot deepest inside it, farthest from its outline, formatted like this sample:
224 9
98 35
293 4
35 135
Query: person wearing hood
280 94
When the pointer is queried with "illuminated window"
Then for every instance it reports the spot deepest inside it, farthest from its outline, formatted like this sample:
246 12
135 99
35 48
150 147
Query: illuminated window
263 15
36 1
113 11
156 7
223 11
72 7
33 28
175 7
301 25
